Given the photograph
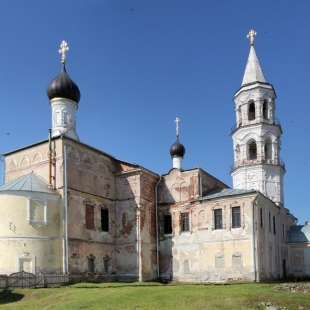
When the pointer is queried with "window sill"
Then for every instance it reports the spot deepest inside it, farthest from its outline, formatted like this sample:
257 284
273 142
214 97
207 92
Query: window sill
187 232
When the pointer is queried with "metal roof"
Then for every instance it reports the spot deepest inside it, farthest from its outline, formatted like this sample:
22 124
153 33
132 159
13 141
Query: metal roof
222 192
29 182
253 71
63 87
299 233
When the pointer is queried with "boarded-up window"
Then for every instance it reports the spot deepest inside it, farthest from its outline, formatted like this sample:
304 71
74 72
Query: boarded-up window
236 260
201 218
297 262
219 261
175 265
37 210
91 264
106 263
104 220
186 266
90 217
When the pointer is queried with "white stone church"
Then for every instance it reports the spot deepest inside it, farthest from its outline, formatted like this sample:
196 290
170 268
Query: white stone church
67 207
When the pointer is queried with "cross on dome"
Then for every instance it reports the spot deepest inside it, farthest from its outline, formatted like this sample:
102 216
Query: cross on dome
63 49
177 126
251 35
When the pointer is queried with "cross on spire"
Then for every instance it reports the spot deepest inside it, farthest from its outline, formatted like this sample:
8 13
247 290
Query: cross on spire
251 35
177 126
63 49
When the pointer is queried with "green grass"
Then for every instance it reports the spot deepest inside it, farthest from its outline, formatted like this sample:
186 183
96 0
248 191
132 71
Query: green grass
152 296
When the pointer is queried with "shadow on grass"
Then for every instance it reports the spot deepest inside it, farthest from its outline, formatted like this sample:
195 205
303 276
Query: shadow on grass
9 297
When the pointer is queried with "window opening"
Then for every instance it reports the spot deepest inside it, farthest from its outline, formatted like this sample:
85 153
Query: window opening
251 111
252 150
185 221
218 224
265 110
267 149
236 219
274 224
104 219
167 224
261 217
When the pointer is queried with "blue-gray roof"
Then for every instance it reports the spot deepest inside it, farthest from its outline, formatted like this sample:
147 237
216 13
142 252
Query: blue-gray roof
29 182
223 192
299 233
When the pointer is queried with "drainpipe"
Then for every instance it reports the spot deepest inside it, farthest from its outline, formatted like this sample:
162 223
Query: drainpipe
279 242
66 210
253 237
138 215
156 214
65 220
50 159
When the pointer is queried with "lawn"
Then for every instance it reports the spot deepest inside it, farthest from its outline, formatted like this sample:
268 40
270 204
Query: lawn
153 296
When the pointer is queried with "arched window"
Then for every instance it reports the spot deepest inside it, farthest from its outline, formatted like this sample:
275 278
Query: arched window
251 110
91 263
267 149
252 150
265 109
237 153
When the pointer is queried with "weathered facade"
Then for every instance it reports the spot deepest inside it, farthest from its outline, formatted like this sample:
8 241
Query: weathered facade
108 208
69 208
220 235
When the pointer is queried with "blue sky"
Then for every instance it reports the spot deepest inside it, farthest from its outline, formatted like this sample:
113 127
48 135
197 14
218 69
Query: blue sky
140 64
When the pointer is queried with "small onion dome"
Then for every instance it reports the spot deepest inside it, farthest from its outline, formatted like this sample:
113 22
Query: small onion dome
63 87
177 149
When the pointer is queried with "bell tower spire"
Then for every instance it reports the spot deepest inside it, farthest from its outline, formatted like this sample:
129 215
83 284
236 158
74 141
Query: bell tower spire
257 134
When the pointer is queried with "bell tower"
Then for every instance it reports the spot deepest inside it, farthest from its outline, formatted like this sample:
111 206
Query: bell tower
257 134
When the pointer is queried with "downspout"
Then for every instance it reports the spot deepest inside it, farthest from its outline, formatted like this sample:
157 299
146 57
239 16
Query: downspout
279 244
66 210
50 158
65 220
138 214
253 238
156 215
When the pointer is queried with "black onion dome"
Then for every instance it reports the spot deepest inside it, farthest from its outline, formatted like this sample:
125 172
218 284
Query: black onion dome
63 87
177 149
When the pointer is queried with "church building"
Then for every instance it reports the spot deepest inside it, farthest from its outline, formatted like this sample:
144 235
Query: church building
67 207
